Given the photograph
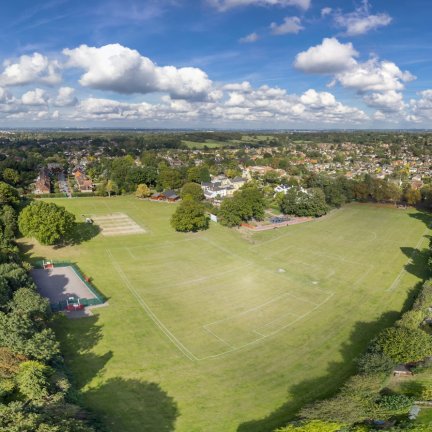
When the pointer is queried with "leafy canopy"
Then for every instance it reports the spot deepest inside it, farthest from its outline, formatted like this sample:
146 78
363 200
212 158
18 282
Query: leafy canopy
46 222
192 190
142 191
189 216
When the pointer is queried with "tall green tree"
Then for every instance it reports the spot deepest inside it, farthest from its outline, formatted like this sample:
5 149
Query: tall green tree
232 212
403 344
11 176
142 191
46 222
169 178
198 174
246 204
8 222
33 380
28 302
120 170
8 195
189 216
192 190
300 203
111 187
23 336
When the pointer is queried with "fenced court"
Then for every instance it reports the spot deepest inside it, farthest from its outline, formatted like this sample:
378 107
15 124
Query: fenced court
115 224
63 281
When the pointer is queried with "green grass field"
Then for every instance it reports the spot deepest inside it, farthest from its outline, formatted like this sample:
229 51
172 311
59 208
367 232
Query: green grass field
211 144
219 331
215 144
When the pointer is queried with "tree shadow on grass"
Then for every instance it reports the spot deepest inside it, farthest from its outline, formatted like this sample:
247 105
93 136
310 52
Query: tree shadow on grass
424 216
120 404
25 250
320 388
84 232
418 263
337 372
412 388
77 338
419 267
129 405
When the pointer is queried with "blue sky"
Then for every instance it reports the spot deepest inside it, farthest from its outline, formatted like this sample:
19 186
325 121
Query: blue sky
216 63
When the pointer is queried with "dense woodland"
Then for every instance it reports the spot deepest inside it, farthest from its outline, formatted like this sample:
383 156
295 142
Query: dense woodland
35 391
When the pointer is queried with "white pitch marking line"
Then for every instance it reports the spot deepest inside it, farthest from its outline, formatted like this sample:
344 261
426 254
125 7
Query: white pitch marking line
270 334
130 253
212 276
223 249
255 308
177 343
247 311
149 312
402 273
273 321
219 338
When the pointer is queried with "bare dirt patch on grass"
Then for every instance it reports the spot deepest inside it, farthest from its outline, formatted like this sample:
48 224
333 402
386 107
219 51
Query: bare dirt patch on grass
116 224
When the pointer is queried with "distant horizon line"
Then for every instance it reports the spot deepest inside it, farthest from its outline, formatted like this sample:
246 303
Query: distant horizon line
273 130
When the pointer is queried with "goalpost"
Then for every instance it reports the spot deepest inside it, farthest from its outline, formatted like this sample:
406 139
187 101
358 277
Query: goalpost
48 264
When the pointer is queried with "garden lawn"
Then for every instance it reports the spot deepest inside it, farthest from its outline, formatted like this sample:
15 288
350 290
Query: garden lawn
220 331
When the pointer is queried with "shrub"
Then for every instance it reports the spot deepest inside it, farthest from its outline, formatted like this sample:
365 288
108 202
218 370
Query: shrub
426 393
375 362
404 345
395 403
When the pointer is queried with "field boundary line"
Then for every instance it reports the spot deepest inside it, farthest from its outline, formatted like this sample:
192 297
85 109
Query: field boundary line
141 217
279 237
212 276
270 334
130 253
108 207
227 251
149 312
166 243
218 337
263 268
283 235
395 284
272 300
272 321
331 271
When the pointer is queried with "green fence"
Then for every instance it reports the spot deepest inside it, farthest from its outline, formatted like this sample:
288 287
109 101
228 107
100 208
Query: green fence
99 298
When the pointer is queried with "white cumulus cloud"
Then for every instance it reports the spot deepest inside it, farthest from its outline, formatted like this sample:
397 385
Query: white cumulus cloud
65 97
421 108
36 97
250 38
34 69
326 11
374 75
390 101
379 82
289 25
224 5
241 104
329 57
117 68
5 96
315 99
361 20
